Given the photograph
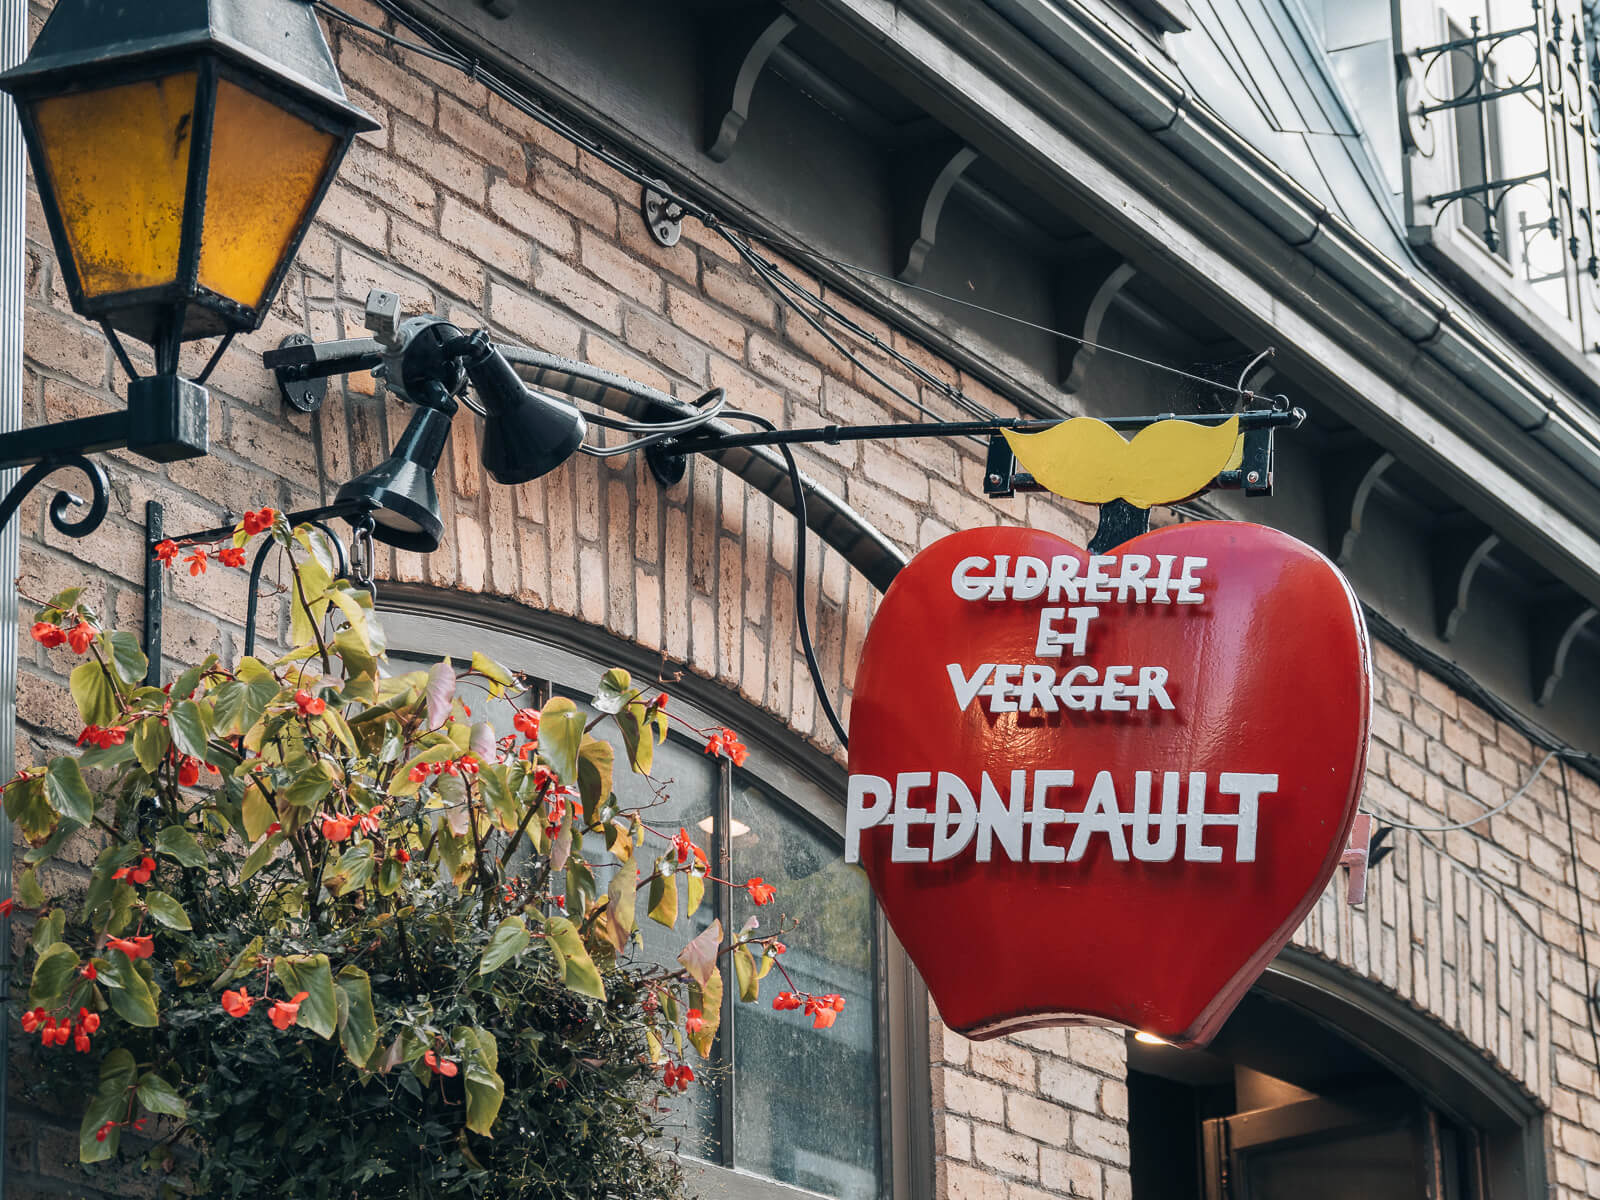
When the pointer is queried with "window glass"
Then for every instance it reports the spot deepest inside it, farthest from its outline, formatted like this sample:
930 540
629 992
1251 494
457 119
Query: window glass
806 1101
803 1104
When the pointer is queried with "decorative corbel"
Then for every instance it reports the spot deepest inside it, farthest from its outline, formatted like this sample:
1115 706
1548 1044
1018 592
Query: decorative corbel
1086 294
737 50
1349 479
1555 626
924 176
1455 554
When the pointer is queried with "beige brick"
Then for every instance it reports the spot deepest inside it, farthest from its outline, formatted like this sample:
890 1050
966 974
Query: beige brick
633 279
999 1059
397 187
1004 1152
955 1138
577 196
543 222
534 324
1106 1140
397 86
575 291
468 130
976 1098
1069 1174
1069 1083
970 1183
1038 1119
491 243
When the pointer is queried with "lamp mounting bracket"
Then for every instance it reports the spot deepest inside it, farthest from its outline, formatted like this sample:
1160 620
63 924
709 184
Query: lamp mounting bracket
303 394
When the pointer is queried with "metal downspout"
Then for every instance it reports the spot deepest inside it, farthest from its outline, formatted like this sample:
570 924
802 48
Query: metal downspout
13 271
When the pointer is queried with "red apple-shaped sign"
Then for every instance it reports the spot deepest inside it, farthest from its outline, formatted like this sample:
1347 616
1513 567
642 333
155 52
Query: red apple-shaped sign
1106 788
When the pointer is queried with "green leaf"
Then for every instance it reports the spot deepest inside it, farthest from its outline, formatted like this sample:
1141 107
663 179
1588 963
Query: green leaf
509 939
243 963
486 666
187 724
636 738
580 885
156 1095
695 888
177 842
595 760
255 814
440 691
238 705
664 900
495 787
127 990
52 975
47 931
26 805
707 997
484 1087
109 1104
310 789
353 871
150 742
67 793
94 694
561 725
167 910
358 1033
261 856
355 653
699 957
390 875
748 975
616 689
29 893
311 974
127 660
578 969
355 616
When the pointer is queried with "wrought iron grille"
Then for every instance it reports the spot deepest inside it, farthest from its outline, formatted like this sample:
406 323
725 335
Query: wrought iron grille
1550 65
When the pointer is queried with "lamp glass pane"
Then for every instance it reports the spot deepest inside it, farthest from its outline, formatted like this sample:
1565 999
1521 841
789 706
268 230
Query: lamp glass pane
266 166
118 160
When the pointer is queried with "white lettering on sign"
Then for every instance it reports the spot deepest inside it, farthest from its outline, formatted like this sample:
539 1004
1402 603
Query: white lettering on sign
1020 821
1138 820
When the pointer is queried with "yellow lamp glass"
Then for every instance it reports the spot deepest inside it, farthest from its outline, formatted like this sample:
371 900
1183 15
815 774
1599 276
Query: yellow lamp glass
266 166
118 160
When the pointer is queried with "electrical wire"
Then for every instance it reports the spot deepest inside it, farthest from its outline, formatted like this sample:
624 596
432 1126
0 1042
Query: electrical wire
440 50
801 619
1495 811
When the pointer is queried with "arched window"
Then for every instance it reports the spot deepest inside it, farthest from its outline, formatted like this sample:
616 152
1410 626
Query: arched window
788 1111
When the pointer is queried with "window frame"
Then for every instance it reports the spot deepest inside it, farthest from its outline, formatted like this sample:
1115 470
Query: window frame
1445 238
422 621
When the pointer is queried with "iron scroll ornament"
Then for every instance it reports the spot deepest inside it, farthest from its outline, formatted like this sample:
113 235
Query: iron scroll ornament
63 501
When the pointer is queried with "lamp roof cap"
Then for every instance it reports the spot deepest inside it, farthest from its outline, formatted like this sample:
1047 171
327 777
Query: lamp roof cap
280 39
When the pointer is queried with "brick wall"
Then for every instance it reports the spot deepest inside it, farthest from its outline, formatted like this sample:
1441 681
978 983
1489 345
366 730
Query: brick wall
469 210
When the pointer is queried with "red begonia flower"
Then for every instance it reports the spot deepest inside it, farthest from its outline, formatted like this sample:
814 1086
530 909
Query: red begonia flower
136 947
695 1021
760 891
48 635
81 637
238 1003
166 552
284 1012
232 556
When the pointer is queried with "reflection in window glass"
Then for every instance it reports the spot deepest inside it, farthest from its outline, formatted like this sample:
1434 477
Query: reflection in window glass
806 1101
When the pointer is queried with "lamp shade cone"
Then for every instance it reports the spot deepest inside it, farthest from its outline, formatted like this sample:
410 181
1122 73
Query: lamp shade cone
526 434
399 492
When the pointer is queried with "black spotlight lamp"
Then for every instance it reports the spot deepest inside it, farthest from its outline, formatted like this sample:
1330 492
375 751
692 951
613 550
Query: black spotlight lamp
399 492
181 149
525 433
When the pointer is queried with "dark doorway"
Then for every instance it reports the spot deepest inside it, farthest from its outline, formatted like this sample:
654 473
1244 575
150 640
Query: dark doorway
1280 1107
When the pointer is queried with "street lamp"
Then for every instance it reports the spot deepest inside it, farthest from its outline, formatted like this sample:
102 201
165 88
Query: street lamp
181 148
